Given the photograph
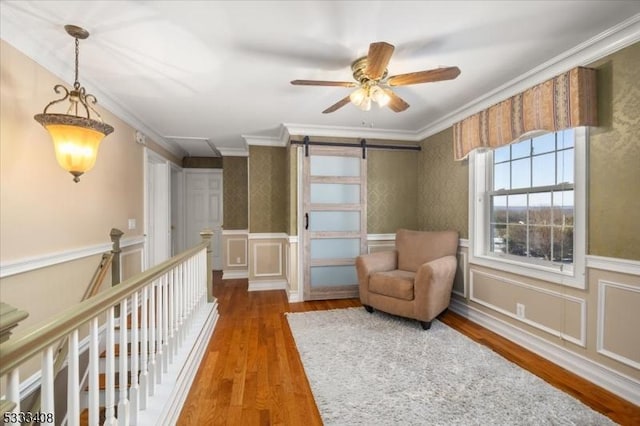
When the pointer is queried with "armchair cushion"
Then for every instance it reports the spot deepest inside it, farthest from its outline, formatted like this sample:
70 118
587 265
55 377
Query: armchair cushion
398 284
418 247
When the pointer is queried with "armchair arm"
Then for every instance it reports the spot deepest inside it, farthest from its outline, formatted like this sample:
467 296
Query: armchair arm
433 285
367 264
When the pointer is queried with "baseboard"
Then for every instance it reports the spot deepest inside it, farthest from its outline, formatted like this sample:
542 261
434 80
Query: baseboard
255 285
165 406
235 275
294 296
603 376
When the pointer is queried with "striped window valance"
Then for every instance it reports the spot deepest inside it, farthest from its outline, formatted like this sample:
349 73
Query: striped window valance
568 100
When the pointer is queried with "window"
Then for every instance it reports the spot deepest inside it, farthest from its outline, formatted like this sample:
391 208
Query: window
528 209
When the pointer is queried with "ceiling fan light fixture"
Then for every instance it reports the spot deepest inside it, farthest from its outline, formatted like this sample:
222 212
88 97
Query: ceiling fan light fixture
380 96
358 96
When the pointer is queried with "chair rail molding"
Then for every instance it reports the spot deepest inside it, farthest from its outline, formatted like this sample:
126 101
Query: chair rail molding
27 264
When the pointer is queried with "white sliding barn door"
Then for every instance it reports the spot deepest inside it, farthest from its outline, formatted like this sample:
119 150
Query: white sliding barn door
334 221
203 188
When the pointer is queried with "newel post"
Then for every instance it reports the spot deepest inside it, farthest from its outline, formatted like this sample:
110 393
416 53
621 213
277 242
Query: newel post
115 234
206 235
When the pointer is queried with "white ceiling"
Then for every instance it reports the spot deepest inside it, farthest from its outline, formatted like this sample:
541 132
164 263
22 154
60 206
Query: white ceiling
197 74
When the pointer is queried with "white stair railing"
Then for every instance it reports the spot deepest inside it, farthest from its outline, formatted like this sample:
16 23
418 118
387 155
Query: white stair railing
162 302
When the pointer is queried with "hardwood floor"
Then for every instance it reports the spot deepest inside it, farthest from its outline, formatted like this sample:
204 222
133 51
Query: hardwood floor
252 373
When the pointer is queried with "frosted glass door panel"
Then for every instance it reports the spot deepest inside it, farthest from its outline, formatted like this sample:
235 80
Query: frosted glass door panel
325 165
335 193
334 221
335 248
333 276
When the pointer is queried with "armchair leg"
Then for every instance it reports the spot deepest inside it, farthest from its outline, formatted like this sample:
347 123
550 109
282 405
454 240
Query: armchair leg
368 308
425 325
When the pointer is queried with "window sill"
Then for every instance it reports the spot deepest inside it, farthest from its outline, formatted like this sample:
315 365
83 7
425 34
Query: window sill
575 279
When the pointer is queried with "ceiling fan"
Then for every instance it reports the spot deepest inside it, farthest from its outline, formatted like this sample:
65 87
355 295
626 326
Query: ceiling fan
370 73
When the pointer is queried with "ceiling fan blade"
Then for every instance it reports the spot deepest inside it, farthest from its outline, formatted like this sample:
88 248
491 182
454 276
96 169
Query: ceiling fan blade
323 83
438 74
396 103
342 102
378 59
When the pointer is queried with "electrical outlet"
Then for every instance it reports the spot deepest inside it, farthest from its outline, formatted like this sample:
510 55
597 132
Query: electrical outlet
238 260
132 224
520 310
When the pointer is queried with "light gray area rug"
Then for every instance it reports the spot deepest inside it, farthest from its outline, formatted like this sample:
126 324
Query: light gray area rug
377 369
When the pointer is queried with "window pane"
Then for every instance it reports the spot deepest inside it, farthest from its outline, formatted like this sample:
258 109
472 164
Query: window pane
334 193
328 165
520 173
563 244
517 209
501 176
544 167
563 208
499 238
521 149
540 242
499 209
517 240
501 154
544 143
540 208
565 166
566 138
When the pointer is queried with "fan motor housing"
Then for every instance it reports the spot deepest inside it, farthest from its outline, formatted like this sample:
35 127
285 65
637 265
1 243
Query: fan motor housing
359 67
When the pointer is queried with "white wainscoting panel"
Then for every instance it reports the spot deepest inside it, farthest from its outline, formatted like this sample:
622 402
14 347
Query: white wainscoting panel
275 273
602 313
581 341
230 261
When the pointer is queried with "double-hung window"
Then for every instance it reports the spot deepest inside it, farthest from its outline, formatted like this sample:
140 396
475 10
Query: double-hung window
528 207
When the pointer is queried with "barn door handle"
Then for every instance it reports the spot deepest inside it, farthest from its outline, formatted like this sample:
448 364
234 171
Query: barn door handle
306 221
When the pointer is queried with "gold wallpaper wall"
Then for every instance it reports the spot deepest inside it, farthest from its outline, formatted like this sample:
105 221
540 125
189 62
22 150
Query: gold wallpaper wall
236 196
392 184
443 186
614 158
267 189
292 189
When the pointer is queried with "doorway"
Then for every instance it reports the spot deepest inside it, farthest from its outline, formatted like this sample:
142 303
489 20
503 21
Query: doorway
157 209
203 209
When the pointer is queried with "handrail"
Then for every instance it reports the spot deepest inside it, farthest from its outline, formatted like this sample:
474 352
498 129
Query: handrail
32 341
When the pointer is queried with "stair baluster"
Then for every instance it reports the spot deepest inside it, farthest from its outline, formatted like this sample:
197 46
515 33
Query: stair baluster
123 402
135 350
94 373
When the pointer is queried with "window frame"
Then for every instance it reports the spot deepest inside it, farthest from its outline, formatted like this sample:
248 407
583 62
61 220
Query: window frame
480 189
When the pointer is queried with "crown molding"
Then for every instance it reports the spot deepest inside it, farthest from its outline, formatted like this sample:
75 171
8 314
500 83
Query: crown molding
258 140
233 152
615 38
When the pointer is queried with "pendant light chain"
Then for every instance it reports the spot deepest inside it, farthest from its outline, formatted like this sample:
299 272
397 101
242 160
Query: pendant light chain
76 85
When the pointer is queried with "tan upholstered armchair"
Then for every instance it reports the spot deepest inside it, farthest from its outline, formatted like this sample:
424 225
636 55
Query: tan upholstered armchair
414 280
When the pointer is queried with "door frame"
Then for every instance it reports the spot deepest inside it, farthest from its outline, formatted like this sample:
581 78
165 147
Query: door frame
157 200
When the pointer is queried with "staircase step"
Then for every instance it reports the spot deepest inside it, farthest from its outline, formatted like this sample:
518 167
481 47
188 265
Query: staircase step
102 381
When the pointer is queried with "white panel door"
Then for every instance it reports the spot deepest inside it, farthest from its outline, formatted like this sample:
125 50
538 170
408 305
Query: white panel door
203 188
